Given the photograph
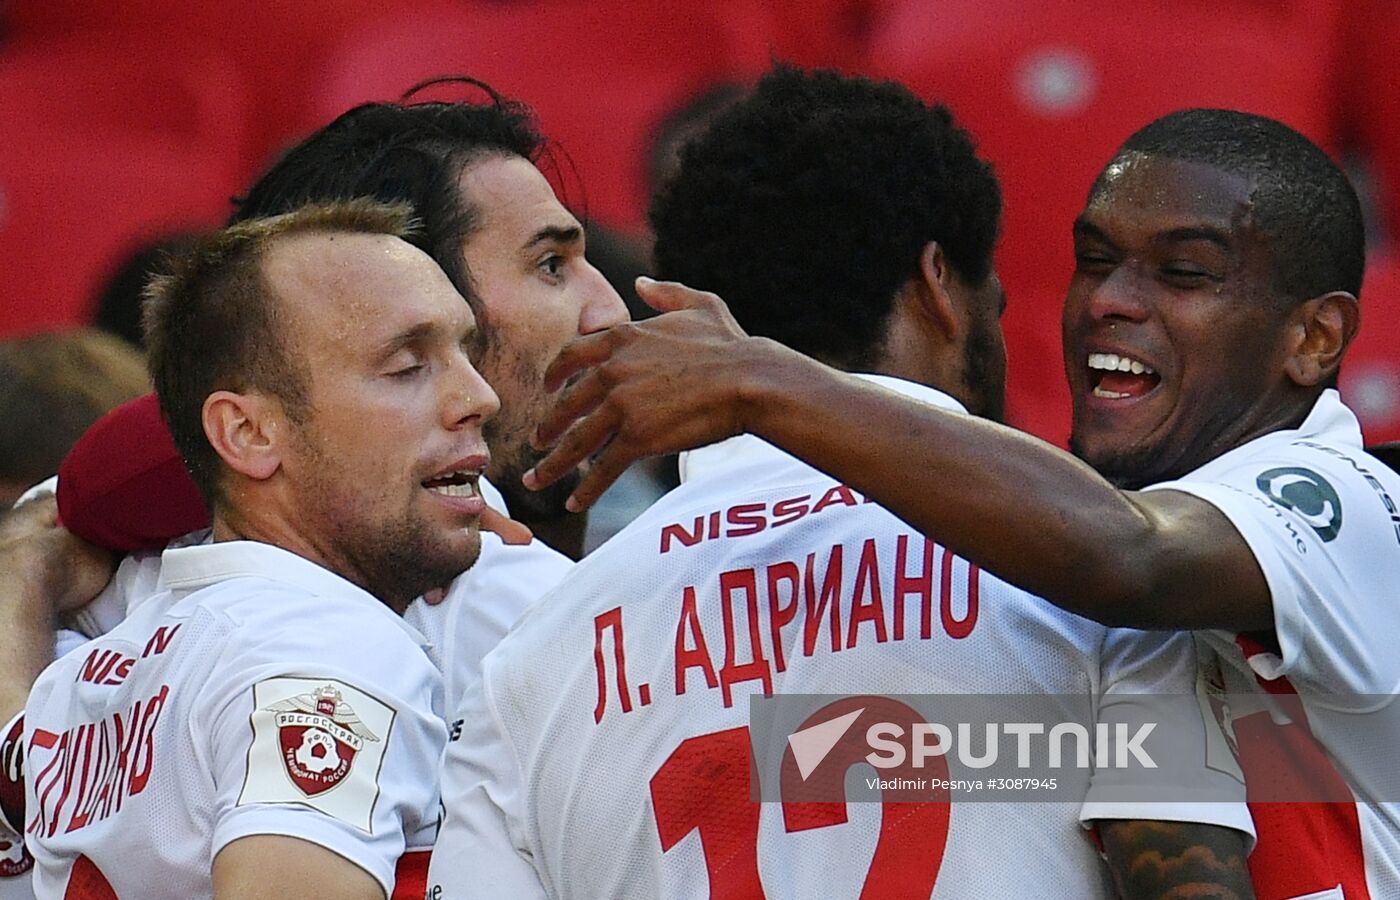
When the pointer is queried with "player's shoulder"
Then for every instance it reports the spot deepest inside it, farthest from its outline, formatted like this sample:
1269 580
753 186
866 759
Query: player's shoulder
349 625
1343 460
1327 446
621 569
1326 483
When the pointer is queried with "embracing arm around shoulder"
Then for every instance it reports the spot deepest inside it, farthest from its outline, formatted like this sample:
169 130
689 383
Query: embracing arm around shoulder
1028 511
44 570
1006 501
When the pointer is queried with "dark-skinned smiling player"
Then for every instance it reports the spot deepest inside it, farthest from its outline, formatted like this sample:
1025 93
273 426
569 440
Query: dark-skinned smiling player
1221 483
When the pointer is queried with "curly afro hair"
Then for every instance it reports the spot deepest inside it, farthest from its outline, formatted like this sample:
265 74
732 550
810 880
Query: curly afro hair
806 206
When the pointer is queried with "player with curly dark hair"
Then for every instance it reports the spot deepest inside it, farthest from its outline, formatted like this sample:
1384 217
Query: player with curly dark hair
847 219
1218 259
868 176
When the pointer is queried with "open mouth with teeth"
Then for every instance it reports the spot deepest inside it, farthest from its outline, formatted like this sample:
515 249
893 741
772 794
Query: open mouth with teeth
1114 377
453 484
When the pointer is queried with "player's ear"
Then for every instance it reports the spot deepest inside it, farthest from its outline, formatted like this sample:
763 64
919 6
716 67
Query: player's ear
246 430
1319 331
931 284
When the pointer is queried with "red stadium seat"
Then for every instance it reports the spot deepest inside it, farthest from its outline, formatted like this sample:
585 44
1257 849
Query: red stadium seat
1037 393
99 154
1373 97
1050 90
1371 376
72 207
277 44
600 76
194 98
822 33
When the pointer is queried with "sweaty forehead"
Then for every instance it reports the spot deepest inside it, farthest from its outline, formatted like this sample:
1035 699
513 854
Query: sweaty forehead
512 199
1160 194
348 285
335 265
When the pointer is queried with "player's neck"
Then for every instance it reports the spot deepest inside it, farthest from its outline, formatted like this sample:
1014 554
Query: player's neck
913 350
268 527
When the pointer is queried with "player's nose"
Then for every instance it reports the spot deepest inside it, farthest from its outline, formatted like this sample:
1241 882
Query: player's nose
602 305
466 397
1123 294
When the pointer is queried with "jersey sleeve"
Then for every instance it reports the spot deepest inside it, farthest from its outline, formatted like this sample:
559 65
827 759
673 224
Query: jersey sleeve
340 749
1323 527
482 849
1149 686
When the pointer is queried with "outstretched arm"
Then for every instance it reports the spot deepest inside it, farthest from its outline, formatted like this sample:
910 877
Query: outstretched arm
1008 502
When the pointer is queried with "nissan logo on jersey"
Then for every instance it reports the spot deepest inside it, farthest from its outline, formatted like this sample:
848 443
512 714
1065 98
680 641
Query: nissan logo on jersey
1306 493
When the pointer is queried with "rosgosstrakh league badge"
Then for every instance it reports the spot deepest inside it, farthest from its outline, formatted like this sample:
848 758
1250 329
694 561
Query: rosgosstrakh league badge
320 735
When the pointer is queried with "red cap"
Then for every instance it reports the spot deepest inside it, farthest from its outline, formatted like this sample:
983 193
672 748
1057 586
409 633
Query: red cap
123 485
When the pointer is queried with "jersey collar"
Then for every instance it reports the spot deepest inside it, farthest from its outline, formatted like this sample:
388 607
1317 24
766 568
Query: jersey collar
1329 421
745 449
1332 419
202 565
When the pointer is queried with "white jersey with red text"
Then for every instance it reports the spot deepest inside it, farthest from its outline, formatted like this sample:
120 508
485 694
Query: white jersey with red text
256 693
480 606
606 751
1322 520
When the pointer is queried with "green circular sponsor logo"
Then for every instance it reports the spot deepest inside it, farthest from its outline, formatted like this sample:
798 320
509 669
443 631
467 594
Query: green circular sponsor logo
1308 494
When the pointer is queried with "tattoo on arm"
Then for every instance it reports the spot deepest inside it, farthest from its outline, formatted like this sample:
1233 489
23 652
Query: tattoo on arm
1153 860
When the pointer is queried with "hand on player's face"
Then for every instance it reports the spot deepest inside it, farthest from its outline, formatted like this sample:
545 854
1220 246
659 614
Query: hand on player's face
658 386
507 529
537 291
32 540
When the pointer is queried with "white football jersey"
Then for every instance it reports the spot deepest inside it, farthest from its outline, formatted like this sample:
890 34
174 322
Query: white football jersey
481 605
484 602
605 751
1321 517
254 693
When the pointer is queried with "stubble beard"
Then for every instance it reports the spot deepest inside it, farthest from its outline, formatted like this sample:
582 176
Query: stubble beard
1124 471
508 436
407 560
396 560
979 376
